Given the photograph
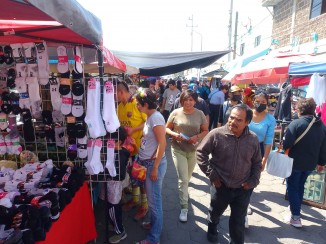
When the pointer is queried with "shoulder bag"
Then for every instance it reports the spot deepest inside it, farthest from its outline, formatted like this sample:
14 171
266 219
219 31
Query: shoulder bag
279 164
139 170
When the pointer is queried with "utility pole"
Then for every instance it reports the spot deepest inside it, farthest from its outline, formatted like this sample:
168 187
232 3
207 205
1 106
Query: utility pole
235 35
192 30
230 30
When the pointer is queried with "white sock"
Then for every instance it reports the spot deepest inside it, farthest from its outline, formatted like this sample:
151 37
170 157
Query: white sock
95 162
66 104
77 106
82 147
63 64
30 54
77 55
110 158
93 117
3 147
16 148
8 144
21 70
42 62
59 136
109 113
34 96
90 147
56 99
21 87
18 53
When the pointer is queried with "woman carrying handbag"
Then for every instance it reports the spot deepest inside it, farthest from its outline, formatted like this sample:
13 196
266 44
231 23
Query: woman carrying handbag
308 153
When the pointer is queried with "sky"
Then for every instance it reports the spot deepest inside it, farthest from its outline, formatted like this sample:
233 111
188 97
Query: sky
161 25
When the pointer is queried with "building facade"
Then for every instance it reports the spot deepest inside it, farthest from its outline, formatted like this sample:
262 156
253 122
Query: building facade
299 24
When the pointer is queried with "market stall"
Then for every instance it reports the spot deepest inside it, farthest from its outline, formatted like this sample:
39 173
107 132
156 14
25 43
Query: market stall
43 132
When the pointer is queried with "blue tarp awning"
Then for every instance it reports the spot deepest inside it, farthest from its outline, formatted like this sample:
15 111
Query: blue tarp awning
307 68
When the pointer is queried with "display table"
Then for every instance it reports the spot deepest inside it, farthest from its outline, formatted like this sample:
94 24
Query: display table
76 223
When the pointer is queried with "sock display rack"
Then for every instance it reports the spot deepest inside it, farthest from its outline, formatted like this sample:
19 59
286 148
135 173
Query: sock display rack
53 124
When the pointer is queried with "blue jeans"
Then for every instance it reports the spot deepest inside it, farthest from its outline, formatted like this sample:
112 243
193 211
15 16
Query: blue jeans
295 188
154 198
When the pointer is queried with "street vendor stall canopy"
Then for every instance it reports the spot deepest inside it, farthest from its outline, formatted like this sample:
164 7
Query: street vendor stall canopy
159 64
55 21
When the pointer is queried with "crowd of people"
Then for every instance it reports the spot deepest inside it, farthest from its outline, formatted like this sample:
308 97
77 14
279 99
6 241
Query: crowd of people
227 131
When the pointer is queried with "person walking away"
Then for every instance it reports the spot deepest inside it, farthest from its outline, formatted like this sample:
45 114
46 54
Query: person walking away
308 153
204 91
263 125
153 143
216 99
233 170
169 96
114 186
234 99
187 126
133 120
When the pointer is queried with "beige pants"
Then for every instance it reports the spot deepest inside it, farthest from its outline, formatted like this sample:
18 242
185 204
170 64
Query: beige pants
184 163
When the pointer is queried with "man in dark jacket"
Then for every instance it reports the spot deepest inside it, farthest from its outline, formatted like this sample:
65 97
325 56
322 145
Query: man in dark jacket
308 153
233 170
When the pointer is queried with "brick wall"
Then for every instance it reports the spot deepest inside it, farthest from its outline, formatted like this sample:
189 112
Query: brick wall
303 27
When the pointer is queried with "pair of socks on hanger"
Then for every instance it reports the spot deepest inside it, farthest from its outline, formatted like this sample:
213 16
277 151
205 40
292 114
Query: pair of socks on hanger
93 164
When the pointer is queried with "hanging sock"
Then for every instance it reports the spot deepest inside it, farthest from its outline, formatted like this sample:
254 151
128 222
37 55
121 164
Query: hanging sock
66 104
109 113
110 158
63 65
42 62
93 117
30 54
56 100
77 56
81 147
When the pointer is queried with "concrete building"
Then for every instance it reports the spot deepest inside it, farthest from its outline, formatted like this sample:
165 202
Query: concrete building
299 25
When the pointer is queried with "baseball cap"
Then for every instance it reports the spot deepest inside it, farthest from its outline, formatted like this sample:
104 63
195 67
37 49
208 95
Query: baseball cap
247 91
235 89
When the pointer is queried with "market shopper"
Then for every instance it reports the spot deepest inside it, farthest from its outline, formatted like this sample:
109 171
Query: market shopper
307 154
200 104
216 99
153 143
114 186
263 125
234 99
133 120
187 126
234 169
169 96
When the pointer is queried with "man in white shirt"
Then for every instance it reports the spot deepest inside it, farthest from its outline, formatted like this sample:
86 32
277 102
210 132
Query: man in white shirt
216 98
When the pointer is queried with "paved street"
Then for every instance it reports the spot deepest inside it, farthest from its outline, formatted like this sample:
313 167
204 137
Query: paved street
266 223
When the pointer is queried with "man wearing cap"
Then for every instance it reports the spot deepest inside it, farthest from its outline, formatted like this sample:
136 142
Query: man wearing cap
169 97
216 99
225 110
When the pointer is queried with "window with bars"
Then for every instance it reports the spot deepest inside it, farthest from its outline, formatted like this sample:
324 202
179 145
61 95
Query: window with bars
257 40
242 48
318 7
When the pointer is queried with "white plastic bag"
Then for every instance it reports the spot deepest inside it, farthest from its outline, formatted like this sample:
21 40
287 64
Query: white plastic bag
279 164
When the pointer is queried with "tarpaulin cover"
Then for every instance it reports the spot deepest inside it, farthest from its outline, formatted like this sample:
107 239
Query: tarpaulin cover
158 64
75 24
307 68
56 21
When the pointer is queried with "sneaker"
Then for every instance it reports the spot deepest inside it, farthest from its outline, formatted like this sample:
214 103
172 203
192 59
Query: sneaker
146 225
296 223
246 222
249 210
183 217
141 213
129 205
118 237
